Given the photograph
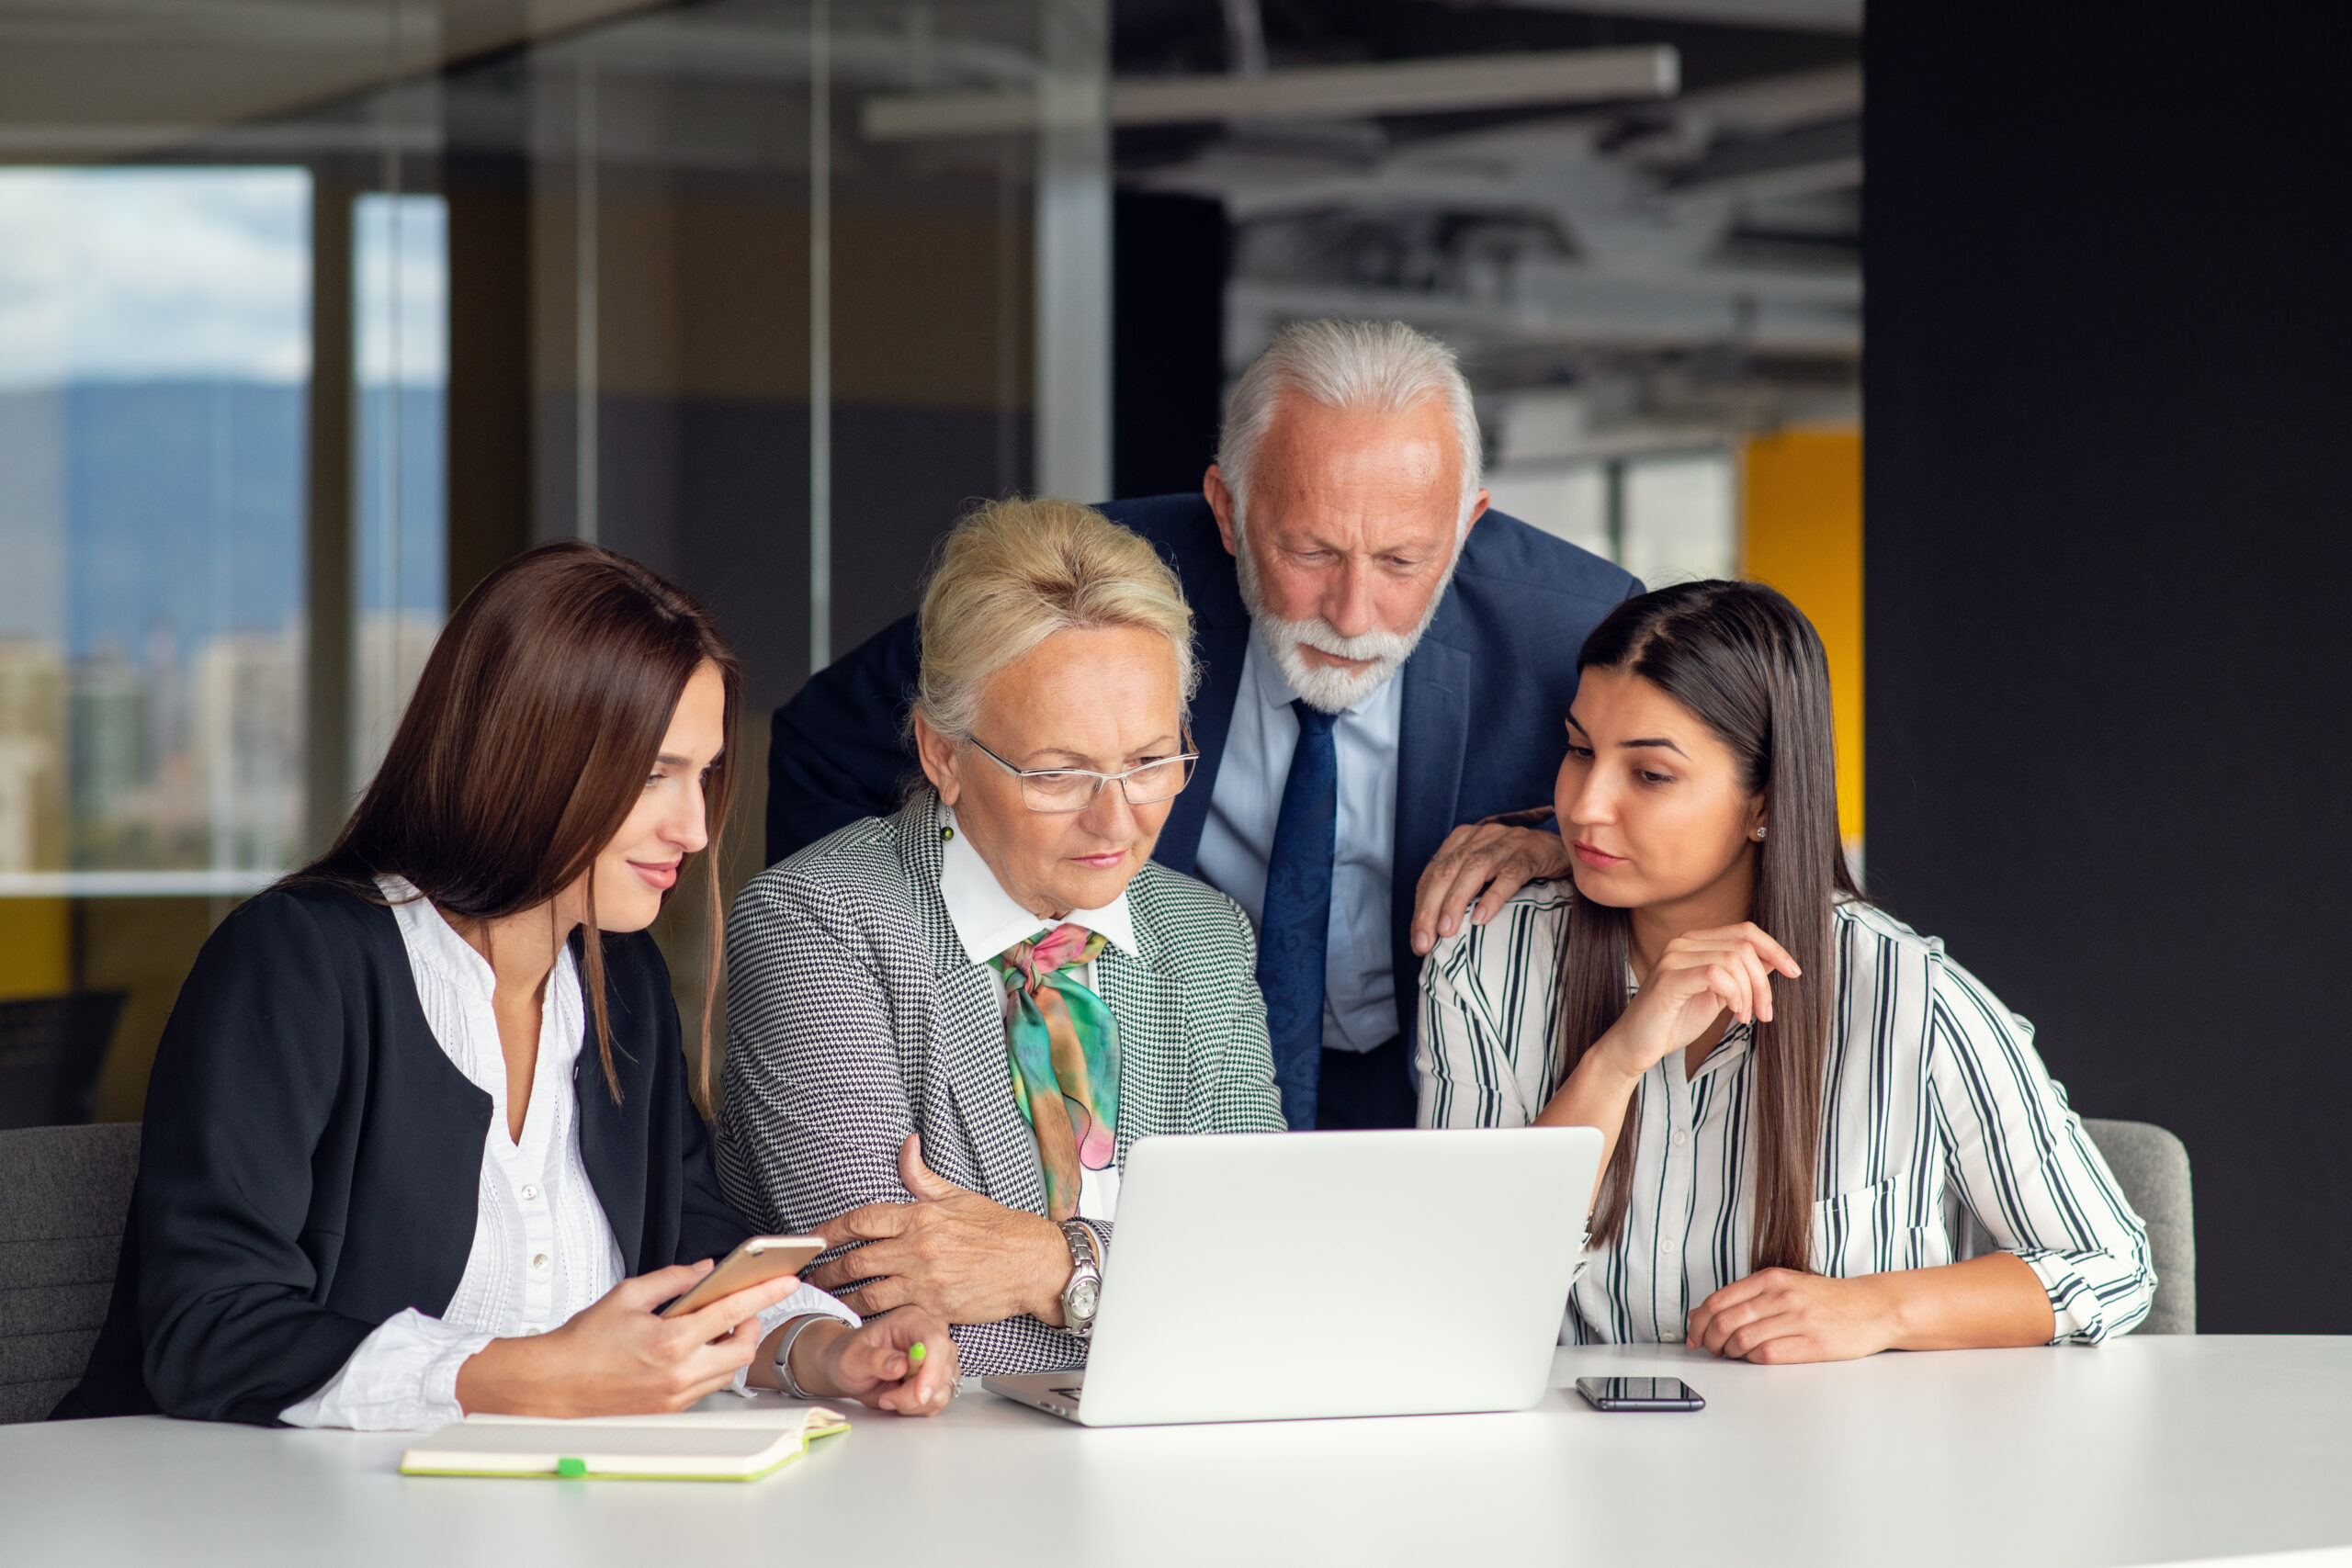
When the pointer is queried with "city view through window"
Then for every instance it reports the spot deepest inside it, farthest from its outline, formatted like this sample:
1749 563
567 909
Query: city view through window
155 363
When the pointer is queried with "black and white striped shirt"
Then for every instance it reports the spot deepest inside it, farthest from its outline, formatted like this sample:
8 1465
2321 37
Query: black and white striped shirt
1935 1109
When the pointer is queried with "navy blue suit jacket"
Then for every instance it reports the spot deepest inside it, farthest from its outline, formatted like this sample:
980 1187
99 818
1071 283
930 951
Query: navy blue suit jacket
1485 694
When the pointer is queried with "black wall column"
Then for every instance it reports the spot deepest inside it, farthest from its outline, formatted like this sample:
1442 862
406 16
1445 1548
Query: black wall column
1168 263
330 584
490 365
2109 573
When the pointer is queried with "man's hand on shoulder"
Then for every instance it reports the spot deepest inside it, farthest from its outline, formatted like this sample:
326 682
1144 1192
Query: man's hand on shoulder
1488 861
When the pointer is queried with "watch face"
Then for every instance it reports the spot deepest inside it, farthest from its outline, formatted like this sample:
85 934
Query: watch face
1082 1297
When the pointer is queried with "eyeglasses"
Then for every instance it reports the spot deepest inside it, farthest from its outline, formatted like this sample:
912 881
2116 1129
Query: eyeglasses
1074 789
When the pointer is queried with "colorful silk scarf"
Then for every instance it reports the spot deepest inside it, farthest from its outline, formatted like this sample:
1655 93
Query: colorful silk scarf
1064 1045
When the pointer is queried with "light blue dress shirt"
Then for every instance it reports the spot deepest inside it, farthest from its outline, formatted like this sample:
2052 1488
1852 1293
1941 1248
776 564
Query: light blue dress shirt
1358 982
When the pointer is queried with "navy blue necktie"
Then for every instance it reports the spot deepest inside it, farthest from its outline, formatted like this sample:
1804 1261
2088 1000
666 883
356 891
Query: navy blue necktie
1294 936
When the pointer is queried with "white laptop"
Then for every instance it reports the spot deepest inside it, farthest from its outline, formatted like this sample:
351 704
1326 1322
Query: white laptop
1267 1277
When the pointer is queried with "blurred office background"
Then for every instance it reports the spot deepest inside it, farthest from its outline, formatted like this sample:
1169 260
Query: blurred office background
313 311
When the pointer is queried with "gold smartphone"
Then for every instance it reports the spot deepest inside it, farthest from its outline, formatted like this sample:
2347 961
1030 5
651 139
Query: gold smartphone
758 1260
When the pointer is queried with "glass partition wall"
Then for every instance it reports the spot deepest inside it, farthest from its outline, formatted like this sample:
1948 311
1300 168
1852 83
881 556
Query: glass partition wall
311 314
314 311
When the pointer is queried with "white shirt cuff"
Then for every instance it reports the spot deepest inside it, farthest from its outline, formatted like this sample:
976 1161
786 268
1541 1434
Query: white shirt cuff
403 1377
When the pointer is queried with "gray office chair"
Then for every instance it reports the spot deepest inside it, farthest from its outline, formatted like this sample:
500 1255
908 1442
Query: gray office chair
2153 1168
64 1194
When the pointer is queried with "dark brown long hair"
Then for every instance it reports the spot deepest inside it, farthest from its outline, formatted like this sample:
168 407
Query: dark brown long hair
527 743
1750 666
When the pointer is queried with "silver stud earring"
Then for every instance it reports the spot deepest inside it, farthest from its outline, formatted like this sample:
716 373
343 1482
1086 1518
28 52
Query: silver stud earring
1760 833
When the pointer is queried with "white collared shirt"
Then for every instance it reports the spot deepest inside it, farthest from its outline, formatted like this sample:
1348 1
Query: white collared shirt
1238 840
988 921
543 1248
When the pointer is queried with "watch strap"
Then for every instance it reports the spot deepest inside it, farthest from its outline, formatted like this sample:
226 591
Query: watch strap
792 1333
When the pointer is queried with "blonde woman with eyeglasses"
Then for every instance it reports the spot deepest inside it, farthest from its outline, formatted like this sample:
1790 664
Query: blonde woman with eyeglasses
947 1026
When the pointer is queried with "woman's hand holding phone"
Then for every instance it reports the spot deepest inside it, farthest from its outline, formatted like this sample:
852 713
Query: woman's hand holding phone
619 1356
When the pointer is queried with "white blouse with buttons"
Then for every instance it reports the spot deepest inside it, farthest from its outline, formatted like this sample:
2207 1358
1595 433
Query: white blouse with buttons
542 1249
1936 1110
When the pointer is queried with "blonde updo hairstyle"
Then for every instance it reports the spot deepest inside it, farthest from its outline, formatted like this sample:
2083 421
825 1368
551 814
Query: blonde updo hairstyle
1014 572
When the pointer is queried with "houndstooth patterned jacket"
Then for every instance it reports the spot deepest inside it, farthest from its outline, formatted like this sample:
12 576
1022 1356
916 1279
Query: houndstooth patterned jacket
854 1018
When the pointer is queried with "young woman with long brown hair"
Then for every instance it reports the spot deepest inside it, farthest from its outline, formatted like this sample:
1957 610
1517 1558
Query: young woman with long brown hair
1803 1099
420 1139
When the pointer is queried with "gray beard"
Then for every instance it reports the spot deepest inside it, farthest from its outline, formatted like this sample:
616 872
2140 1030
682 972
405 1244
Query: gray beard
1321 686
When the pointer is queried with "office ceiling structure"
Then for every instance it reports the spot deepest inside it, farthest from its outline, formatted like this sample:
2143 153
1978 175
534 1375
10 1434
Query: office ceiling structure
100 80
1656 205
1672 270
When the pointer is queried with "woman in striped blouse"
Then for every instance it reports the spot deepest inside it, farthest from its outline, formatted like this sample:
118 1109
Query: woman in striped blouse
1804 1100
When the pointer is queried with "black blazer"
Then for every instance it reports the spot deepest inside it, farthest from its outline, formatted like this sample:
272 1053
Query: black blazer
1484 698
311 1158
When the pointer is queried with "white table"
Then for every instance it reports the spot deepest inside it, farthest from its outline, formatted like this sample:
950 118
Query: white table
2158 1449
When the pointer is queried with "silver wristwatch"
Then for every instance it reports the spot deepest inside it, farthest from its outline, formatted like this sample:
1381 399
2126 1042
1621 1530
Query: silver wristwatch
792 1333
1085 1291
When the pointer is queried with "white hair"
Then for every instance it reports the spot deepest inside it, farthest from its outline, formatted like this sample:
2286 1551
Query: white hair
1382 368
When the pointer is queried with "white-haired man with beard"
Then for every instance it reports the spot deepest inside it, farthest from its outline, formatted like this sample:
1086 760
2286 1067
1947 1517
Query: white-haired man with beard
1383 665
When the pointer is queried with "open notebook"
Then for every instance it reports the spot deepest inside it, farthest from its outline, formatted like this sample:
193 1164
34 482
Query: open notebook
698 1445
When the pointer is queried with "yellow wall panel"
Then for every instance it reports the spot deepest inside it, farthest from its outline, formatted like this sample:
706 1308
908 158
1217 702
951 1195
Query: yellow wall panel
1802 504
36 947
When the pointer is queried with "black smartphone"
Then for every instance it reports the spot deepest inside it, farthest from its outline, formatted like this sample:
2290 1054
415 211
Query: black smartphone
1639 1393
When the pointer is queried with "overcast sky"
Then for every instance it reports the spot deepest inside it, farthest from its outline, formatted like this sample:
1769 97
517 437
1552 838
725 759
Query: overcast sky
403 243
123 274
134 500
130 274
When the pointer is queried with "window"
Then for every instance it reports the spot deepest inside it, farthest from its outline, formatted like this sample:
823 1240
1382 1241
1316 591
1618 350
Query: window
154 351
1666 517
401 302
